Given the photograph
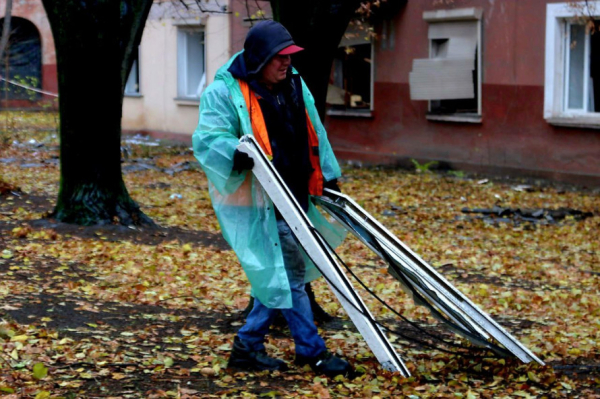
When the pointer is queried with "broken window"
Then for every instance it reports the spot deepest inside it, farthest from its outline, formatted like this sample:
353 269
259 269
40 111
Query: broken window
582 64
21 66
449 78
350 83
191 67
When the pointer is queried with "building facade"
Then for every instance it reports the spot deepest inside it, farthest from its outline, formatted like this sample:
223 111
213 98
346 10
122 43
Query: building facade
499 86
180 52
508 86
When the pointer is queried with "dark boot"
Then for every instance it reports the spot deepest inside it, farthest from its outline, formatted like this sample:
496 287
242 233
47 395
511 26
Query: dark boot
244 358
326 363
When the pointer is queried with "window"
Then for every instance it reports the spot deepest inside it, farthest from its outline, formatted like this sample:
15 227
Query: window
572 70
191 67
350 90
451 77
22 62
582 77
132 86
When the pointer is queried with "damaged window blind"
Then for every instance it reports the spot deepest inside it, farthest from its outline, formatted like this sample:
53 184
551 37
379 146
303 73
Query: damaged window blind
448 74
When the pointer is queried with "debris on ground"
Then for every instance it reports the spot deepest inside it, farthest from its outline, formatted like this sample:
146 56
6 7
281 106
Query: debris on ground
544 215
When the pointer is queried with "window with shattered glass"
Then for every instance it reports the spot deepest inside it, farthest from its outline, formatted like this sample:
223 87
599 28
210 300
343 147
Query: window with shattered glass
350 83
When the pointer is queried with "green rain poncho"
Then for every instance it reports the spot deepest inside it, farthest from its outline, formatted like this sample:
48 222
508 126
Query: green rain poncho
245 212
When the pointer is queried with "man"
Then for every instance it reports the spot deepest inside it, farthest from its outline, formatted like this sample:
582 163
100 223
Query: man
257 92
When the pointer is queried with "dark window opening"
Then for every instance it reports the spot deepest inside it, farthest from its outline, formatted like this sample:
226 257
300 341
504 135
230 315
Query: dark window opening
439 48
22 62
350 81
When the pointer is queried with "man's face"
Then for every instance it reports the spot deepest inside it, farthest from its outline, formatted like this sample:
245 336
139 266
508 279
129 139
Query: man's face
276 69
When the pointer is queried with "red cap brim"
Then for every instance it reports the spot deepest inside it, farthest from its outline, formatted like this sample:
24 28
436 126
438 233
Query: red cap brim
290 50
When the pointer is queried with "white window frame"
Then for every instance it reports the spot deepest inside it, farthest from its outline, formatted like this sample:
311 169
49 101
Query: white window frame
182 72
559 16
458 15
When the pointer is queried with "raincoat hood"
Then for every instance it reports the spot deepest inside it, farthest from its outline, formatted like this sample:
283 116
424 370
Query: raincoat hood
263 41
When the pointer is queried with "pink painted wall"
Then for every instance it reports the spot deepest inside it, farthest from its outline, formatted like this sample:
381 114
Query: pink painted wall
513 137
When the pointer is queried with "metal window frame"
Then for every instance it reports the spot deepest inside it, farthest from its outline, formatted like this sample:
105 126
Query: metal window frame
426 280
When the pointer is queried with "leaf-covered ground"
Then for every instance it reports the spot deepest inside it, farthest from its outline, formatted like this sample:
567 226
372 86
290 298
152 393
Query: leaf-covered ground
126 313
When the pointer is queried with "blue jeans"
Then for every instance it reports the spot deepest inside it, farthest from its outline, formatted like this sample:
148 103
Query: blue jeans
299 317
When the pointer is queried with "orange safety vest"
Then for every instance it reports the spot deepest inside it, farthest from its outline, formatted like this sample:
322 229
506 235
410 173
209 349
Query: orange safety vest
259 128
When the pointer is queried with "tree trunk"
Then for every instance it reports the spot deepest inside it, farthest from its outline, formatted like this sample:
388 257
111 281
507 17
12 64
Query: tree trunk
94 48
318 26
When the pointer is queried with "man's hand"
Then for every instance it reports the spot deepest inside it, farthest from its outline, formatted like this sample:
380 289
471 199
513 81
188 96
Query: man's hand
242 161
